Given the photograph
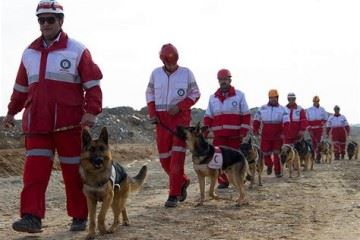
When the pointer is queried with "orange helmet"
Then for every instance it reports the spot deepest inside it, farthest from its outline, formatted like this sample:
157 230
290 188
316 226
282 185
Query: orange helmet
273 93
169 54
316 99
223 73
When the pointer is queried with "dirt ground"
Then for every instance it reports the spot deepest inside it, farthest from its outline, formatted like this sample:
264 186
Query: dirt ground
321 204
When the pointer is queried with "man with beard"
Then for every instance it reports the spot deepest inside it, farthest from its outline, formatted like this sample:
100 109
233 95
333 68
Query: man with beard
227 116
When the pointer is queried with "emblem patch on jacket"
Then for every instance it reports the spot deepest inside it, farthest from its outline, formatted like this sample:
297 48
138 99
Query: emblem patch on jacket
181 92
65 64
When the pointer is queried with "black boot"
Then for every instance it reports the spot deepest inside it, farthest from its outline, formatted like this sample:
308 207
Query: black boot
171 202
184 187
223 185
28 223
78 224
269 170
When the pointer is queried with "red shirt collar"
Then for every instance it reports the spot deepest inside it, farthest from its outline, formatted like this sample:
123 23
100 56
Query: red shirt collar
291 106
220 94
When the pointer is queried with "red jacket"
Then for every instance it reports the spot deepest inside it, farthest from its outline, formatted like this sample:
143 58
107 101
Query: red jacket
228 115
339 128
297 121
164 91
272 119
56 85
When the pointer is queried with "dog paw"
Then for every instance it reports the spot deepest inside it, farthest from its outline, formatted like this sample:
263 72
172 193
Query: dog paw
199 204
242 203
126 223
103 231
90 236
214 196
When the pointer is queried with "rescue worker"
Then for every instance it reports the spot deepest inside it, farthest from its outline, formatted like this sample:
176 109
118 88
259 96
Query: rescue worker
58 85
171 92
227 116
338 127
316 117
273 117
296 127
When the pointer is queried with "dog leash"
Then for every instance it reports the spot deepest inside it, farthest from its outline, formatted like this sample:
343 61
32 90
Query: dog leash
55 130
166 127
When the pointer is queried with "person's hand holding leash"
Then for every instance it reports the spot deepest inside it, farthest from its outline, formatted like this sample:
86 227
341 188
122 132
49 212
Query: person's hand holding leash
88 120
154 120
174 110
9 121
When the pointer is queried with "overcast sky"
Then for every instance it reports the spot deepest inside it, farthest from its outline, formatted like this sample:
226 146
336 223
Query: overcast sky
310 47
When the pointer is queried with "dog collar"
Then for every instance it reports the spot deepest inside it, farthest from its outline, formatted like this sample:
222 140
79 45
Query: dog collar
99 184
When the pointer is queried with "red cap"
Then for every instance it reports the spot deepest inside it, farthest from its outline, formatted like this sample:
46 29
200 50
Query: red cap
223 73
169 54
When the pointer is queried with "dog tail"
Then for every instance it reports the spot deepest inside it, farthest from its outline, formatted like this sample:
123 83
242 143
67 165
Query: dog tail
137 181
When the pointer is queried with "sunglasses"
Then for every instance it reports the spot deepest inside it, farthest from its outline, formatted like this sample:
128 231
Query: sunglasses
49 20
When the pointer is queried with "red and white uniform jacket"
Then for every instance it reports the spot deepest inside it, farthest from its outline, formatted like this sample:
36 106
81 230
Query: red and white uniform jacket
228 115
338 126
316 117
56 85
273 119
163 92
297 121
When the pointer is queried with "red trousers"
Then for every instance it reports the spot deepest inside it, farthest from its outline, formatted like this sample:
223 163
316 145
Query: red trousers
172 158
338 136
227 142
37 170
272 147
315 140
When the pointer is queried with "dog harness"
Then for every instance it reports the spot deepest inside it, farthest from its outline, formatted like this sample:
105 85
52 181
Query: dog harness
217 160
118 174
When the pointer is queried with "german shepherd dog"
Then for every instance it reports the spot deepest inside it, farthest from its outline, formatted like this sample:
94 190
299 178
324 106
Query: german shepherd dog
234 165
97 170
289 156
254 157
352 150
306 153
325 151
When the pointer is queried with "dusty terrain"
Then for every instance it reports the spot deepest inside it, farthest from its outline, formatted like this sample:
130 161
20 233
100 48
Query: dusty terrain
321 204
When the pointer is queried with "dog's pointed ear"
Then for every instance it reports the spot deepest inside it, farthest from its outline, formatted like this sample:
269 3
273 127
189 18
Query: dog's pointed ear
104 136
86 138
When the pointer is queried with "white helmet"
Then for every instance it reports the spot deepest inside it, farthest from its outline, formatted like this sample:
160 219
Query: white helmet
49 6
291 95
